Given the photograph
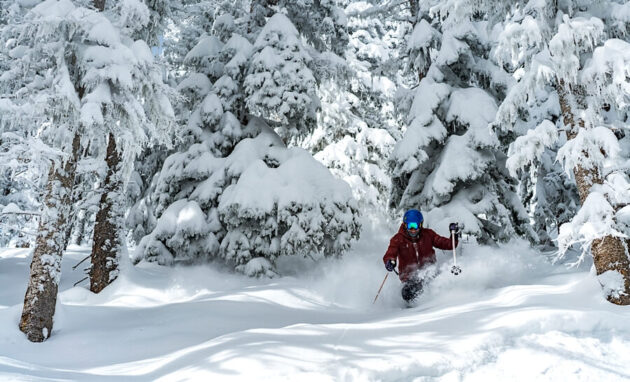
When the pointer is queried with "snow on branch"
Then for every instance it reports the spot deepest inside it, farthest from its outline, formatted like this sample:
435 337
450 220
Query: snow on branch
574 36
360 10
607 74
591 148
530 147
13 209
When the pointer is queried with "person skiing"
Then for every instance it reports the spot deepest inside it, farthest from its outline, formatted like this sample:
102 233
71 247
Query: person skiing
412 247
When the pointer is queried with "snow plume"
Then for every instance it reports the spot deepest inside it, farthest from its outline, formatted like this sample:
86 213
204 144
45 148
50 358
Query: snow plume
353 281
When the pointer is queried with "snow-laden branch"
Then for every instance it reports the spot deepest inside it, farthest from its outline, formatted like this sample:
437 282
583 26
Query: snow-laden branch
376 9
28 233
13 209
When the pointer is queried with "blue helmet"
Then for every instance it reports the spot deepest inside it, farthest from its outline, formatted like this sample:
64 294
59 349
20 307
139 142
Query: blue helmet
413 216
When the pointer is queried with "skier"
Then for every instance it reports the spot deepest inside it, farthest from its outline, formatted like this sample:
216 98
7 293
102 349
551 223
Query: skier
412 247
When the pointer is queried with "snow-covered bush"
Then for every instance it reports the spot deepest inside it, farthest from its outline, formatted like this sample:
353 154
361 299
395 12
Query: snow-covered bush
261 201
233 191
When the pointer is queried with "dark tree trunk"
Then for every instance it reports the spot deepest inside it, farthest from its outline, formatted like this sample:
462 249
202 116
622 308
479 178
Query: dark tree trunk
80 223
107 230
610 253
72 219
413 8
99 4
41 294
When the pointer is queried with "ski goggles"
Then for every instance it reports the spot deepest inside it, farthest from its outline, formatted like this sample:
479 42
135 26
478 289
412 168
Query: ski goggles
413 225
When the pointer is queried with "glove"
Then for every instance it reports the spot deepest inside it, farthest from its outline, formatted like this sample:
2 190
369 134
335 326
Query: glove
390 265
456 228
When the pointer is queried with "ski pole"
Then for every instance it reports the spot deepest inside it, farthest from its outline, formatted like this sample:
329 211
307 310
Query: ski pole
455 269
379 289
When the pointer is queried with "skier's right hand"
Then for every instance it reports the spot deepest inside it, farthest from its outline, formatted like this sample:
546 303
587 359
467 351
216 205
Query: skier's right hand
390 265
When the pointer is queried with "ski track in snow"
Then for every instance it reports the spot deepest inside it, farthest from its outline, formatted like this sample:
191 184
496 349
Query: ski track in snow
509 316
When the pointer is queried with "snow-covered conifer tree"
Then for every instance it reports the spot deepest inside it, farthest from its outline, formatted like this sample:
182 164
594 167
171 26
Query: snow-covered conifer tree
354 129
449 163
23 159
206 208
122 81
574 54
42 77
279 85
84 78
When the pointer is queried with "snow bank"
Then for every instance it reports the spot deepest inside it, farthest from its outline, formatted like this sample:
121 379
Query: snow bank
509 315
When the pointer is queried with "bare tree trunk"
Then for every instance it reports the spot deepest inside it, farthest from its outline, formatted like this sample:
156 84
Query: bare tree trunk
609 253
41 294
107 230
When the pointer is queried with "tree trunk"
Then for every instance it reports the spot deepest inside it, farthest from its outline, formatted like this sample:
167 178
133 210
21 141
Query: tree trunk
80 223
413 9
107 230
99 4
41 294
610 253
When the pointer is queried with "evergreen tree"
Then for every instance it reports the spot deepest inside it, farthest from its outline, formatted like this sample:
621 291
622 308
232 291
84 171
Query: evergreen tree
133 112
82 80
279 85
203 194
354 129
449 163
573 53
23 159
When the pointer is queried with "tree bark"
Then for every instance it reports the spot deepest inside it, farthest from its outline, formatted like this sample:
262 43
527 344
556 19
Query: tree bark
107 230
610 253
99 4
413 9
41 295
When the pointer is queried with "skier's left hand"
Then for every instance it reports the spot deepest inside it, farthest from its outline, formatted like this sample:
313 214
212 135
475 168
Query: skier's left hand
456 229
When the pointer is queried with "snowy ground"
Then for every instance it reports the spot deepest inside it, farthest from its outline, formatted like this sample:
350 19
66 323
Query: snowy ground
509 316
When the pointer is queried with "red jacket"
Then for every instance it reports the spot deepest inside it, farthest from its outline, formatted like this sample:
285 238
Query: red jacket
414 253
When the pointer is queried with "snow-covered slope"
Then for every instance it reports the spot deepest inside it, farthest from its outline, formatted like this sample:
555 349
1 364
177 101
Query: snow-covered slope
509 316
